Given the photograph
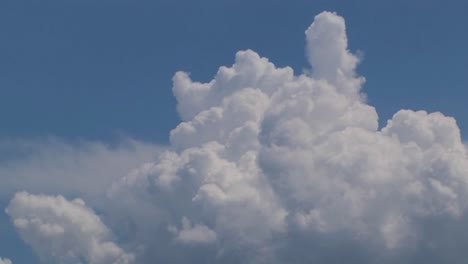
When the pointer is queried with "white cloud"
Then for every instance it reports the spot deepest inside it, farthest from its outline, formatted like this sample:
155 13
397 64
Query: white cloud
262 153
5 261
193 234
64 231
328 54
269 167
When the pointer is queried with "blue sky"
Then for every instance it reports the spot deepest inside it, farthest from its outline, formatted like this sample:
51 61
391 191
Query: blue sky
97 69
100 70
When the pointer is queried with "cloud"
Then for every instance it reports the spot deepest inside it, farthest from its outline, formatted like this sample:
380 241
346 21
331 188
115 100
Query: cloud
272 167
81 168
262 154
193 234
64 231
5 261
328 54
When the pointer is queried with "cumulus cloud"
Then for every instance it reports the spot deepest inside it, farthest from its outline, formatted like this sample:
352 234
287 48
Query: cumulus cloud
64 231
272 167
262 154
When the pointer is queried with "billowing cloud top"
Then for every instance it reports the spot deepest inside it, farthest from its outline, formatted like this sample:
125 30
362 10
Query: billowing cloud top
272 167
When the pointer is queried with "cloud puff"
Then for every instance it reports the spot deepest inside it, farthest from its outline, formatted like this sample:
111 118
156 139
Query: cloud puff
328 54
64 231
193 233
272 167
5 261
